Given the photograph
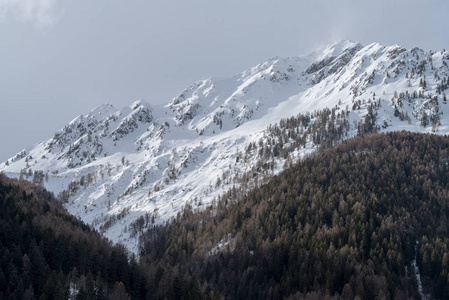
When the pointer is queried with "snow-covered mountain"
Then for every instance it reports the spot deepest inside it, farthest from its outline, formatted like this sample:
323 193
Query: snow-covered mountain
123 170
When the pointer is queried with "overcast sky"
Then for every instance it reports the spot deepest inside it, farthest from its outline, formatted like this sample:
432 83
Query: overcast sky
62 58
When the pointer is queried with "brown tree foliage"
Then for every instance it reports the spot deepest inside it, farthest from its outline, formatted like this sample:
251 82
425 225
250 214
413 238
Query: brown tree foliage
348 222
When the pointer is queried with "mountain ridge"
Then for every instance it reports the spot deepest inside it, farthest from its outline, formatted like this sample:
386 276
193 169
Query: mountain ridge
113 166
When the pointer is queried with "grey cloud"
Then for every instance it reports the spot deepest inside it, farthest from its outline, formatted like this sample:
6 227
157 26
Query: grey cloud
41 13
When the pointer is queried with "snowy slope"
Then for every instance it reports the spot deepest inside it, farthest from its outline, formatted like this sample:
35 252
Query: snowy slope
122 170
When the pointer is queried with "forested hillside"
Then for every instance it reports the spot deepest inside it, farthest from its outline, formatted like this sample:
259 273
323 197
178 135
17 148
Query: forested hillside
45 253
367 218
360 219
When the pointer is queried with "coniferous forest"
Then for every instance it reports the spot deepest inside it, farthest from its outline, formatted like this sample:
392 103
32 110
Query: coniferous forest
45 253
367 218
359 219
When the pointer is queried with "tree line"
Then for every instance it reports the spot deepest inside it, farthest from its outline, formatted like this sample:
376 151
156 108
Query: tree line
46 253
353 221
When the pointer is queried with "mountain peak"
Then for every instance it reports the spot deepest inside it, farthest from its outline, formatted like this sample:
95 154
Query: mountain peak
334 49
339 47
103 111
113 166
139 103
